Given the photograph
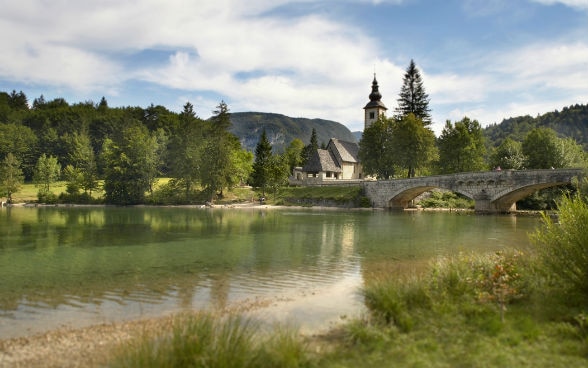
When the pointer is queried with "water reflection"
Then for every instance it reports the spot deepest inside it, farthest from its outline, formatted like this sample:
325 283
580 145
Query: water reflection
88 265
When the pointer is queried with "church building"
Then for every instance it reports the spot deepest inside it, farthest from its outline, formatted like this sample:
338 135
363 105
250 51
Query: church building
340 161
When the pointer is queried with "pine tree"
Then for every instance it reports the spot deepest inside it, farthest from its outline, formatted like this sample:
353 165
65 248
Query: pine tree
263 153
310 148
413 98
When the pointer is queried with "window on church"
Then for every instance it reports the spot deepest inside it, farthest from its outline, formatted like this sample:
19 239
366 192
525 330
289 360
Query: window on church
372 115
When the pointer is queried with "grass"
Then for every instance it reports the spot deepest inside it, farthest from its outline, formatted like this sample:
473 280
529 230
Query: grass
204 340
461 312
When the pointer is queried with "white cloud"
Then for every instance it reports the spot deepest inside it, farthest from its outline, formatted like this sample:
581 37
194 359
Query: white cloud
578 4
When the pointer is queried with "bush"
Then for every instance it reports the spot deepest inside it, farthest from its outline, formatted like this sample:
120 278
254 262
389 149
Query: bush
46 197
562 244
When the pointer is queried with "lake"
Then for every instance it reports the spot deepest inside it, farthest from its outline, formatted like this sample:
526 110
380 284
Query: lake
77 266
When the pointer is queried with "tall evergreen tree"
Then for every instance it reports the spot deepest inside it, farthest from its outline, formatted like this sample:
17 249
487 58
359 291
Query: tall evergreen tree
413 98
263 153
310 148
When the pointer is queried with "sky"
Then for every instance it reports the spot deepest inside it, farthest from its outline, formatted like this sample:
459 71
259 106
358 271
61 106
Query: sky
484 59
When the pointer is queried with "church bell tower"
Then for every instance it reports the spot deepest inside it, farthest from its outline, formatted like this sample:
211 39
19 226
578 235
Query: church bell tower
375 108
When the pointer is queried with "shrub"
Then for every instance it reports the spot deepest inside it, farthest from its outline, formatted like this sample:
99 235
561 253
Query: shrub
562 244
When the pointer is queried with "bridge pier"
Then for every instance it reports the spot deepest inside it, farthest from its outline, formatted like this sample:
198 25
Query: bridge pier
488 206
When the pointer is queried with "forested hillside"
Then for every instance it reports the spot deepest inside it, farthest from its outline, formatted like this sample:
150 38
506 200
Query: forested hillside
570 122
281 129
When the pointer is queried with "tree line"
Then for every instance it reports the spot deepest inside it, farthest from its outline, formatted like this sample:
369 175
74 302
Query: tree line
404 145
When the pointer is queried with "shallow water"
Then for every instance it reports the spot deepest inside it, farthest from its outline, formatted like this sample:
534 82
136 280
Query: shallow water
80 266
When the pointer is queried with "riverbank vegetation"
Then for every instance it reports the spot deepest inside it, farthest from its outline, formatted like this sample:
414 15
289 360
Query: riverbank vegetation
507 308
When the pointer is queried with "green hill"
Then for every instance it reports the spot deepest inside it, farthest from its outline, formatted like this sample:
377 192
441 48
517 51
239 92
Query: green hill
570 122
281 129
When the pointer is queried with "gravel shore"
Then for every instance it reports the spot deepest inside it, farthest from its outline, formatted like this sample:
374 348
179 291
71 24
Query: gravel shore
68 347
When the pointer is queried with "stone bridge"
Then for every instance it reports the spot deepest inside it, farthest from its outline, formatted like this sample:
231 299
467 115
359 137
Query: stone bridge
492 191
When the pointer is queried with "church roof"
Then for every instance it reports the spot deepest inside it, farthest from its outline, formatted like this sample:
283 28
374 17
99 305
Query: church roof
344 151
322 160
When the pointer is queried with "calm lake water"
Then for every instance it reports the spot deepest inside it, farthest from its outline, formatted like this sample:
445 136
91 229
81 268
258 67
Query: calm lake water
80 266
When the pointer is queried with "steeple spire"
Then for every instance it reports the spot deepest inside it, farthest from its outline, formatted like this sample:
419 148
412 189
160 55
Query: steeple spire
375 108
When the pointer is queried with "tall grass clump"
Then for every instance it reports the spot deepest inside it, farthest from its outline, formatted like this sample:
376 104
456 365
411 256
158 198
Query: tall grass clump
562 244
461 285
204 340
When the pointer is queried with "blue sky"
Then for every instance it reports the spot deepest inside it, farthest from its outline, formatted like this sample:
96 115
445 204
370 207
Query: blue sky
485 59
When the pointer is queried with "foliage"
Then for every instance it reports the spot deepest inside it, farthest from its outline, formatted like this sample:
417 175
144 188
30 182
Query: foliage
47 171
185 150
391 145
217 165
413 98
131 165
263 153
445 199
310 148
413 145
21 141
563 243
277 173
11 177
207 341
570 122
376 149
461 147
509 155
294 154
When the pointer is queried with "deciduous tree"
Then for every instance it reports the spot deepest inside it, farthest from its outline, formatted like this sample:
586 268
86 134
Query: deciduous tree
376 149
461 147
11 176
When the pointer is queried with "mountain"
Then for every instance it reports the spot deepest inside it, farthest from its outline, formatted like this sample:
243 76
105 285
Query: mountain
281 129
570 122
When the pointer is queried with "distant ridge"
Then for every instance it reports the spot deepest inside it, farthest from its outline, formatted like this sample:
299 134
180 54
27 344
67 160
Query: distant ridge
281 129
571 121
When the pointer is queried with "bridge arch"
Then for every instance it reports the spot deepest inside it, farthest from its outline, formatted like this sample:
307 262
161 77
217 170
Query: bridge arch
402 200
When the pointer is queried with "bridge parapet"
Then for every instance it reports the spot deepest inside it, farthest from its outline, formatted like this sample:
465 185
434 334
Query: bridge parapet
492 191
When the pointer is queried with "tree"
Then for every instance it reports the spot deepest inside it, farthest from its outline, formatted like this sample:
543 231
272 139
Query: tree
509 155
413 145
545 150
21 141
277 173
310 148
11 177
242 162
217 166
461 147
376 151
47 172
185 149
81 157
294 153
263 154
413 98
131 165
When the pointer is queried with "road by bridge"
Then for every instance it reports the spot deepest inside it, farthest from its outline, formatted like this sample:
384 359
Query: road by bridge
492 191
